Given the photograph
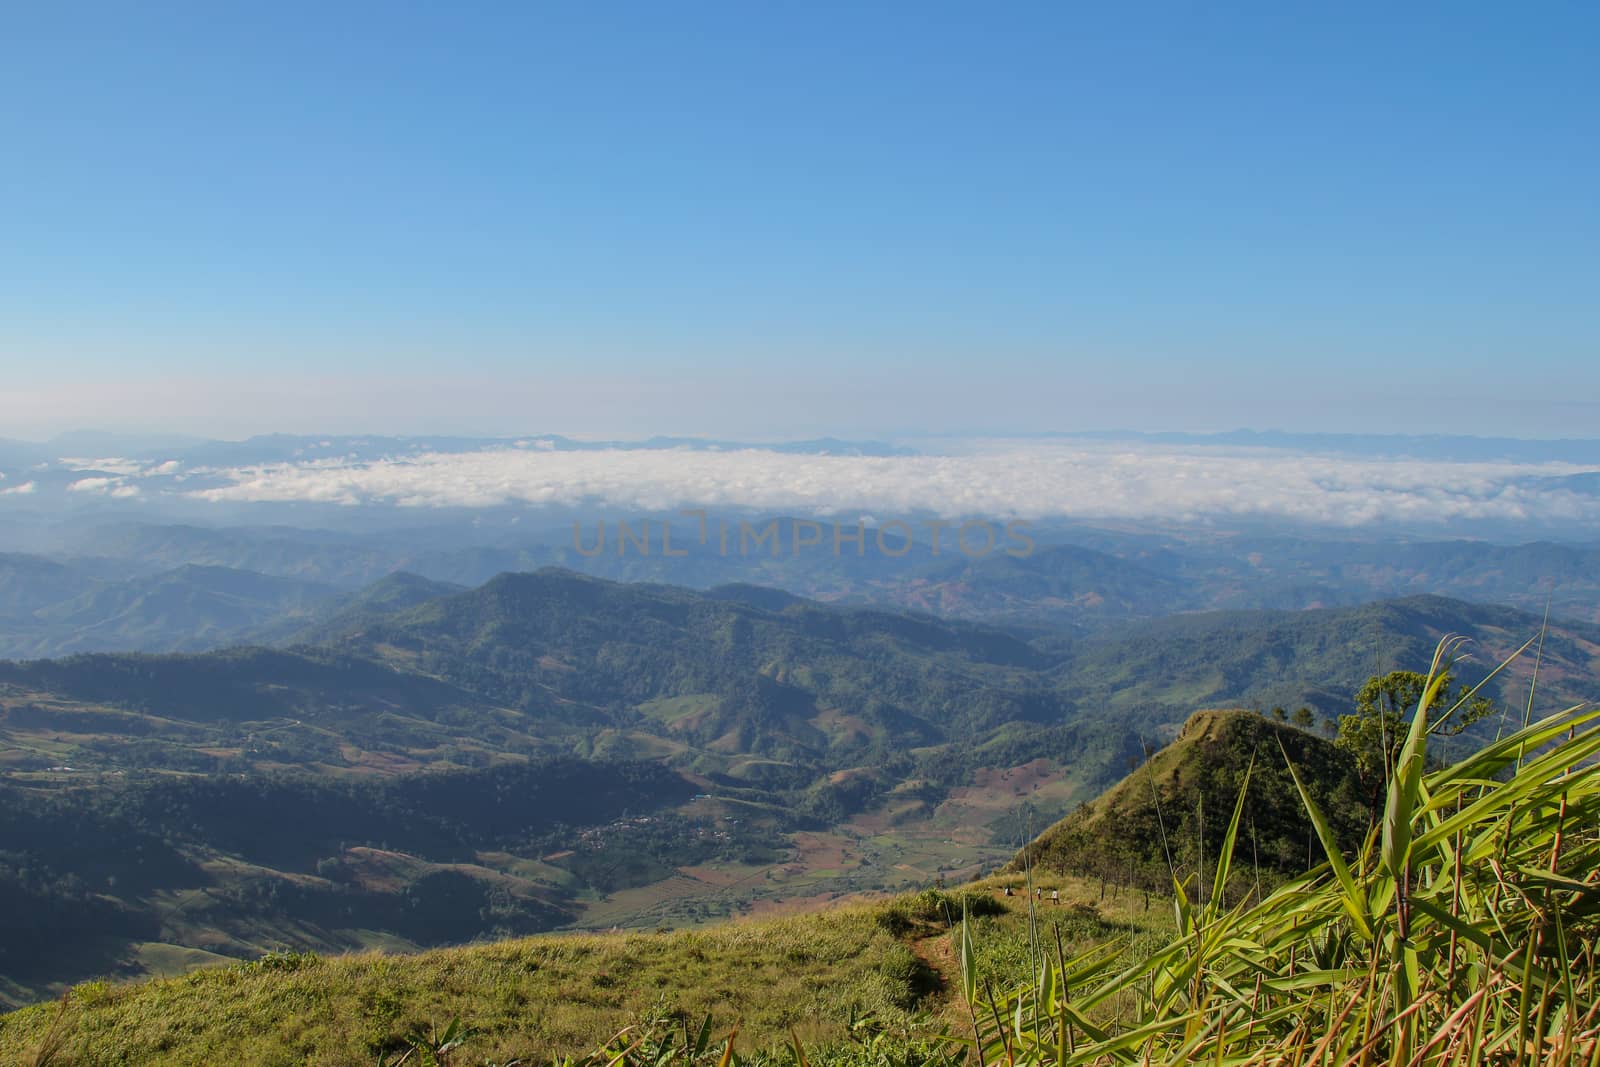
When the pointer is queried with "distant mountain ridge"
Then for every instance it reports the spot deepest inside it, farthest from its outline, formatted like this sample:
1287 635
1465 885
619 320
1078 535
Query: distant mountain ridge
48 609
550 636
1457 447
767 678
28 583
1081 580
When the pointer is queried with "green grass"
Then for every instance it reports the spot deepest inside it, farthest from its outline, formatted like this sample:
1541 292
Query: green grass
534 998
524 998
159 958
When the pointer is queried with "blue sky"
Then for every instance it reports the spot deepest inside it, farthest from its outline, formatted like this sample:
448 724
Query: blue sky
743 219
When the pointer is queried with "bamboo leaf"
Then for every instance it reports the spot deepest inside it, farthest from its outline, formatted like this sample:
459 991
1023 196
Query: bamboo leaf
1225 858
1405 789
1351 897
969 959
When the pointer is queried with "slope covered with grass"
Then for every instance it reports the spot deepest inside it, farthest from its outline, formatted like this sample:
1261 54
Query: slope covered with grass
1154 821
891 961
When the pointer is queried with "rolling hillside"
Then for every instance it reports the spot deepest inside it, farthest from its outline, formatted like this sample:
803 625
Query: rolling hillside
28 583
50 610
868 979
1055 586
799 682
1152 826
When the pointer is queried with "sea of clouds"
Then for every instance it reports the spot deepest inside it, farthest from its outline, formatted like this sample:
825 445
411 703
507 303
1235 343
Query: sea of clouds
994 478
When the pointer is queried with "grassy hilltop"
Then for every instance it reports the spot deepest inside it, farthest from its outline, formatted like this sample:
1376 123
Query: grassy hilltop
1153 823
891 960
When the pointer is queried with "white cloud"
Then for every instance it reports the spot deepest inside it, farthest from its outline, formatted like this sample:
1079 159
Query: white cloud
121 468
93 485
993 478
107 464
19 490
112 487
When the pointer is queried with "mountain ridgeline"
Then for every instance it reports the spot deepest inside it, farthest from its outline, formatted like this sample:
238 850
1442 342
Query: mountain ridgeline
773 682
170 588
1167 819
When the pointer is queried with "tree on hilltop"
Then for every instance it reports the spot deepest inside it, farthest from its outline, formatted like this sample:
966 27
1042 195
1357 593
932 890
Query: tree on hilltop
1377 729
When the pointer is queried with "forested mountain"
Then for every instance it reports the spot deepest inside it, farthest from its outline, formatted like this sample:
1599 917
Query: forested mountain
556 659
555 656
1318 657
57 610
1056 585
28 583
801 681
349 611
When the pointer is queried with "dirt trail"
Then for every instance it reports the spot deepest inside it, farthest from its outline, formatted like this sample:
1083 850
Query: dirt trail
935 946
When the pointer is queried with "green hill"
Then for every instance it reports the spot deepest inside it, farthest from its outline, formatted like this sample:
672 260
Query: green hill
349 613
886 964
1159 671
189 609
28 583
1166 819
803 682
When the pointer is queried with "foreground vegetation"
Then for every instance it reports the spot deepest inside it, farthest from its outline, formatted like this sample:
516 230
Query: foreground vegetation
1463 932
519 998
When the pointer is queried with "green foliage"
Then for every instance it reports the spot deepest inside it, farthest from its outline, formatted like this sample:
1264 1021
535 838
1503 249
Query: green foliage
1375 732
433 1047
936 907
282 960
